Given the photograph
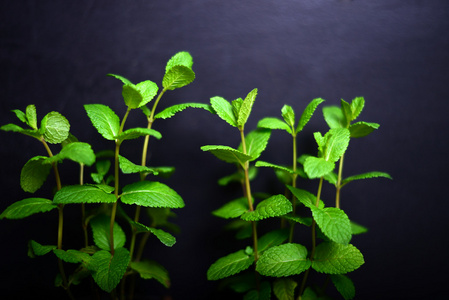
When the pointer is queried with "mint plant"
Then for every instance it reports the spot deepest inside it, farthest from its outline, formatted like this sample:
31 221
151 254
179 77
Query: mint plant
108 260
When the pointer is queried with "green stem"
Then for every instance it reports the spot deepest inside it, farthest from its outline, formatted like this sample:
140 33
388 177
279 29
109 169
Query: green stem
294 177
312 253
339 186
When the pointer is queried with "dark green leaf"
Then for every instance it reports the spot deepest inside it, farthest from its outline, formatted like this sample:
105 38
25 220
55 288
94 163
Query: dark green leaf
232 209
27 207
272 238
72 256
256 141
148 269
344 286
333 258
128 167
36 249
101 233
284 288
83 194
275 206
308 113
135 133
361 129
164 237
305 197
230 265
34 173
78 152
334 223
263 293
151 194
357 228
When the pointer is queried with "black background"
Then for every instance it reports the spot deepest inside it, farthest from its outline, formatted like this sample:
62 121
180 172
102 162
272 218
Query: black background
395 53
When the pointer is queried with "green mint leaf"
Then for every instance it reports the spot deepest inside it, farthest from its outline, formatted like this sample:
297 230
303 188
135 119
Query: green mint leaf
55 127
151 194
274 123
229 265
275 206
333 258
301 220
164 237
104 120
334 223
289 115
149 269
227 154
272 238
331 177
284 260
34 173
344 286
182 58
232 209
121 78
108 270
146 111
128 167
347 112
224 110
20 115
83 194
316 167
177 77
309 294
101 233
135 133
148 89
245 109
256 141
334 117
361 129
308 113
132 96
357 105
172 110
31 116
357 228
36 249
16 128
263 293
238 176
236 105
305 197
72 256
367 175
336 143
284 288
270 165
27 207
78 152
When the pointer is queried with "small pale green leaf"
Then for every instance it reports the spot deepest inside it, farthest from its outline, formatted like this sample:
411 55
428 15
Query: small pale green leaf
331 177
270 165
104 120
151 194
336 143
232 209
227 154
361 129
135 133
316 167
177 77
34 173
357 228
347 112
27 207
274 123
181 58
284 288
121 78
172 110
245 109
148 90
334 223
36 249
20 115
101 233
275 206
132 96
128 167
149 269
272 238
31 116
344 286
108 270
333 258
289 115
367 175
357 105
334 116
83 194
229 265
236 105
308 113
224 110
256 141
305 197
55 127
284 260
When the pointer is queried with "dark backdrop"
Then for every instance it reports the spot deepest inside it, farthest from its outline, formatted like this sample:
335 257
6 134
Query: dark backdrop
56 55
